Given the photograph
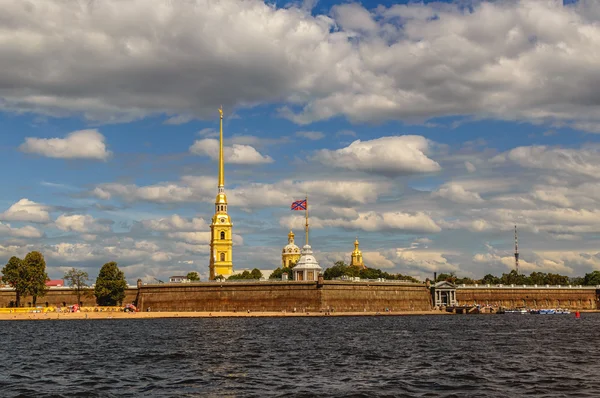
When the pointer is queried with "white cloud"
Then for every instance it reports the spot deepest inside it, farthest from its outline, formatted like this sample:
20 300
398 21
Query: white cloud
409 62
583 162
27 210
176 223
27 231
456 193
395 155
311 135
84 224
470 167
370 221
377 260
234 154
425 261
353 17
83 144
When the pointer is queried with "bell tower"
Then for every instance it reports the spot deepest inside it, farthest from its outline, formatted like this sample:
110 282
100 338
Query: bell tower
221 243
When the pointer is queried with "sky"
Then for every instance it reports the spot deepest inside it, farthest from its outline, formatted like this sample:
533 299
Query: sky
426 130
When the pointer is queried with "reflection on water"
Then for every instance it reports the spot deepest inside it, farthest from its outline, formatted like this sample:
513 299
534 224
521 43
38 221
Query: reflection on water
460 356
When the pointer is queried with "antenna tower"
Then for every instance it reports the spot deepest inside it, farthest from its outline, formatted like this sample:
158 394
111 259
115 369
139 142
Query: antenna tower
516 251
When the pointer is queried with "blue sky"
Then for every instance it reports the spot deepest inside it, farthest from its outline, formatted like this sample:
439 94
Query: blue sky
427 130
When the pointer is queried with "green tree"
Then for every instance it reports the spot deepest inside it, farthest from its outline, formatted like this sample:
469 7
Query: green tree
279 272
110 285
490 279
256 274
592 279
14 274
77 279
193 276
37 277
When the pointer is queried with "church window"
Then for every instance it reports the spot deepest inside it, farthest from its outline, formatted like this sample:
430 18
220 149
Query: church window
222 256
222 235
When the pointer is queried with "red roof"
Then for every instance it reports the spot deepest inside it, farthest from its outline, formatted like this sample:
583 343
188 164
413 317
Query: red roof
55 282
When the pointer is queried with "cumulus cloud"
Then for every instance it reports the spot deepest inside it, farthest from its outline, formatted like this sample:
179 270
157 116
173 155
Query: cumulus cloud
27 231
395 155
84 224
542 262
188 189
176 223
370 221
415 61
27 210
456 193
425 261
83 144
583 162
234 154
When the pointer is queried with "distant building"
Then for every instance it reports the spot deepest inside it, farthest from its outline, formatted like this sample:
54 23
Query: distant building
307 268
55 283
356 257
444 294
178 279
290 253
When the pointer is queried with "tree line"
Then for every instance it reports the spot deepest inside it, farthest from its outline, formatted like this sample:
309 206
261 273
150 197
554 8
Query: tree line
28 277
535 278
341 269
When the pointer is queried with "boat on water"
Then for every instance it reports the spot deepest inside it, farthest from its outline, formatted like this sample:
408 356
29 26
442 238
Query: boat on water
516 311
551 311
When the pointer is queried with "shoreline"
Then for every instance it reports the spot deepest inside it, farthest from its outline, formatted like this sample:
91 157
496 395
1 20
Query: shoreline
27 316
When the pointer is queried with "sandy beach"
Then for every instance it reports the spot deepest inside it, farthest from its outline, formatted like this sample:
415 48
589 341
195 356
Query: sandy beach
180 314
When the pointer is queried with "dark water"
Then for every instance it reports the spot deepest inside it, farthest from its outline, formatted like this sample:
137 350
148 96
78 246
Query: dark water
421 356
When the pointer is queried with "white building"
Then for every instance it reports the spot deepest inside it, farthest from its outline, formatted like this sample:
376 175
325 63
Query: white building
307 268
178 279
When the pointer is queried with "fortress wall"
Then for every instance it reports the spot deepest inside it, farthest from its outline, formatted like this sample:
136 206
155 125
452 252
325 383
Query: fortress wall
375 296
531 297
285 296
230 296
56 296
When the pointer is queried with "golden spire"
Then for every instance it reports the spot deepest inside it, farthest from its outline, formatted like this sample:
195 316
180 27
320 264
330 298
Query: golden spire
221 168
291 237
356 244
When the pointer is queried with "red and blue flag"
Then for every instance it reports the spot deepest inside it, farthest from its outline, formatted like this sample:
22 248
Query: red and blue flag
299 205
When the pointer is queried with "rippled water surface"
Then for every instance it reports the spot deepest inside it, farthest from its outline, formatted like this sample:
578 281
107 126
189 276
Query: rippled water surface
423 356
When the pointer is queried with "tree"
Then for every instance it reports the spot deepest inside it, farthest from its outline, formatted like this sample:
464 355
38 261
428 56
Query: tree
254 274
592 279
110 285
193 276
36 275
14 274
78 280
277 274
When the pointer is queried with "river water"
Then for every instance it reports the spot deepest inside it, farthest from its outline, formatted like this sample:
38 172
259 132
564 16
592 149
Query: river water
421 356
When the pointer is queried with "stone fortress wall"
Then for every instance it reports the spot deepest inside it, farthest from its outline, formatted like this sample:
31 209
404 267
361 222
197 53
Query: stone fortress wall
572 297
340 296
56 296
308 296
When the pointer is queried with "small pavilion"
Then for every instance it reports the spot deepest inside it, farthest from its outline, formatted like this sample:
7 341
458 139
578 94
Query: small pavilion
307 268
444 294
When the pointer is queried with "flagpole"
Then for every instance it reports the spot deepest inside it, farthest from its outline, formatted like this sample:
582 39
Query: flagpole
306 201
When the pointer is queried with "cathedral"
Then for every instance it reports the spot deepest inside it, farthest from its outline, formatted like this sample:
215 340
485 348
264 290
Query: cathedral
221 234
356 258
290 253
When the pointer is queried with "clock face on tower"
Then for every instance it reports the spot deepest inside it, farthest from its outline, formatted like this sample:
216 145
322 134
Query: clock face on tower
222 220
